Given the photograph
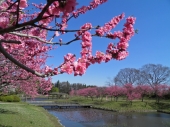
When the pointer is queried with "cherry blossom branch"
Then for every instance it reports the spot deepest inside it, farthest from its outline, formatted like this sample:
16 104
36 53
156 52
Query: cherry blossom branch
40 26
23 28
42 40
31 36
2 50
23 78
8 56
12 5
18 12
10 41
38 18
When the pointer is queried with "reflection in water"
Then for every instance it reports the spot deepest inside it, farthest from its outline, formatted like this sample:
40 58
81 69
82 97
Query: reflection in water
100 118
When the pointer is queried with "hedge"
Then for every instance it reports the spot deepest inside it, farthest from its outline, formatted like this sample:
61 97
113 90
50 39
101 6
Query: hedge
9 98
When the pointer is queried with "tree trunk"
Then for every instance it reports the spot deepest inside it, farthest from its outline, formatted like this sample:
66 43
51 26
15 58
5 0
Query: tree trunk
131 102
142 98
157 99
116 99
25 98
101 99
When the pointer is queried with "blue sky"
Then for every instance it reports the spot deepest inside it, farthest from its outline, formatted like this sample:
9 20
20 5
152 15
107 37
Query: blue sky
150 45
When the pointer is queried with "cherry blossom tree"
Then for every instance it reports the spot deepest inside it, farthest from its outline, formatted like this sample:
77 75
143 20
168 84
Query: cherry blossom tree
15 78
73 92
143 90
24 39
101 92
88 92
82 92
114 91
131 92
160 90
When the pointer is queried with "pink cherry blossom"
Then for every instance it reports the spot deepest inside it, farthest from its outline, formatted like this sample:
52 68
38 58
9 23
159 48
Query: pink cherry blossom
23 4
4 22
86 39
69 58
67 68
100 57
122 45
121 55
79 68
108 57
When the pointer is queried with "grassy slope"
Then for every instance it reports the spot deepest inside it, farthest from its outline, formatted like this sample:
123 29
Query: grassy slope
24 115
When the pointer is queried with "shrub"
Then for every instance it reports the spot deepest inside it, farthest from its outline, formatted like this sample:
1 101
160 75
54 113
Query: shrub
3 98
9 98
16 98
54 89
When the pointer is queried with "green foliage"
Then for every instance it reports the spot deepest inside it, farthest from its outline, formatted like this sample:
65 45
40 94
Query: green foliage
16 98
3 98
10 98
54 89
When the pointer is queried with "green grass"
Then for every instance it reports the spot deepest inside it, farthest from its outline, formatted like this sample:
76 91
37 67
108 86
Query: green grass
25 115
162 106
122 105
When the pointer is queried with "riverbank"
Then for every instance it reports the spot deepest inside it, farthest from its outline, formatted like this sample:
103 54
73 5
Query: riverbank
121 105
25 115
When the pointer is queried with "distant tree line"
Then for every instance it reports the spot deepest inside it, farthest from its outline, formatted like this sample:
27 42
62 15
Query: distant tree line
128 91
66 87
152 75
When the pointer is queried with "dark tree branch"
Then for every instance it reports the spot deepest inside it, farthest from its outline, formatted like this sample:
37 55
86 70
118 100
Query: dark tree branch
38 18
40 26
44 41
10 41
18 12
12 5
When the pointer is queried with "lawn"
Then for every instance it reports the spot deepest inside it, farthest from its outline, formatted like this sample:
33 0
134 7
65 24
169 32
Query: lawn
25 115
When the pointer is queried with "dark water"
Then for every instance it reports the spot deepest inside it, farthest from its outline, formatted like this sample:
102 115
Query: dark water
100 118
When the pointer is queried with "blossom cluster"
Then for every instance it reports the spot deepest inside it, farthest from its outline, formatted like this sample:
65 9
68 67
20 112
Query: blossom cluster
24 41
117 52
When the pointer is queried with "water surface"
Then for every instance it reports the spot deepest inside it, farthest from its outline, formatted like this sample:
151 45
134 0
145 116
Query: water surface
100 118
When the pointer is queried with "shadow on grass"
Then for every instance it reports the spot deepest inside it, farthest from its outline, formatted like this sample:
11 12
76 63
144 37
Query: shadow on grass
6 112
124 104
98 102
161 106
4 126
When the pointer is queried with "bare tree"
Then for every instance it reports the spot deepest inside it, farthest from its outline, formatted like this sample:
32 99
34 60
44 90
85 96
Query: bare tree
127 76
110 82
155 74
